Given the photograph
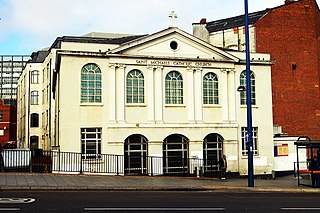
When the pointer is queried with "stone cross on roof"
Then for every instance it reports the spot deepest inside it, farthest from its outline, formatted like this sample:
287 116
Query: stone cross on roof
173 17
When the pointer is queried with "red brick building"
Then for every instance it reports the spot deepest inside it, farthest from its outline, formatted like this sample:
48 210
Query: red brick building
8 123
290 33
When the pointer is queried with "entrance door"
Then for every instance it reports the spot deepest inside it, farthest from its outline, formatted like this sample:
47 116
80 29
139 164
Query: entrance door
135 155
175 155
212 151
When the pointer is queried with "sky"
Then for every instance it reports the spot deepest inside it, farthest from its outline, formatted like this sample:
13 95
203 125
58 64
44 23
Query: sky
27 26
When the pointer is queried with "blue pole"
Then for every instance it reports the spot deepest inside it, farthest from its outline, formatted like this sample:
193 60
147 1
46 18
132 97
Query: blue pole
248 96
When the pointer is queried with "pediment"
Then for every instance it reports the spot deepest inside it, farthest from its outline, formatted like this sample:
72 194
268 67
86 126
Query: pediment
173 43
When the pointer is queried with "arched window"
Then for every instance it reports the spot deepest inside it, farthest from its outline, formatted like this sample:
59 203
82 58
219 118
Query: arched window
212 151
34 97
135 154
34 142
210 89
35 77
174 88
135 87
175 154
34 120
243 98
91 91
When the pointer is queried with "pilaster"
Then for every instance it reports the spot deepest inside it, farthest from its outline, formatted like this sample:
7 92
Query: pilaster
121 94
151 94
158 95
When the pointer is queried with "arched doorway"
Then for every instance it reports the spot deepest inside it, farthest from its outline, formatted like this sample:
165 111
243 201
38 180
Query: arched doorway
175 154
135 154
212 151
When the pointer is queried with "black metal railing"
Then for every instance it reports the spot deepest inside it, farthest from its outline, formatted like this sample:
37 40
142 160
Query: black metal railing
70 162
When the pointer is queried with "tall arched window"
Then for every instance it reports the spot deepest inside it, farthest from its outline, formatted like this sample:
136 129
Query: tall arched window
34 120
210 89
243 98
135 154
212 151
175 154
91 90
174 88
34 77
34 97
135 87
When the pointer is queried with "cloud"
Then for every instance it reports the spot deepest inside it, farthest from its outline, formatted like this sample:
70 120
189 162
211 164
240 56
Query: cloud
38 22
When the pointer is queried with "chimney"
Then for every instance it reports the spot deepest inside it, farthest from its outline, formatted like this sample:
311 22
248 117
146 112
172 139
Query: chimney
200 30
288 1
203 21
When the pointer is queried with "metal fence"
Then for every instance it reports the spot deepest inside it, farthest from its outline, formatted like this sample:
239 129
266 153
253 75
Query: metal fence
77 163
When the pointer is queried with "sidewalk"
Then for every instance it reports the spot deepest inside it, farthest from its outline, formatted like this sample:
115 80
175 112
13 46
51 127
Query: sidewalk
43 181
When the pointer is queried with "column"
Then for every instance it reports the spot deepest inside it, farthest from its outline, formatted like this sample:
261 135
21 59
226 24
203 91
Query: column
191 94
198 95
224 95
158 101
121 94
151 94
232 95
112 93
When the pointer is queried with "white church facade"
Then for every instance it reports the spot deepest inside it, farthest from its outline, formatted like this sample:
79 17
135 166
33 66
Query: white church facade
168 95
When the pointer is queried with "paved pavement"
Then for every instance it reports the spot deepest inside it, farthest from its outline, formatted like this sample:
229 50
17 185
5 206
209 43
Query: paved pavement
44 181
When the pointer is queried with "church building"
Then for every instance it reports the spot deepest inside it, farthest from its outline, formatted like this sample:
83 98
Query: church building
168 95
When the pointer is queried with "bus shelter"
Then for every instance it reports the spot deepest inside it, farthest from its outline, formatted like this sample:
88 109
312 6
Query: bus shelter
308 167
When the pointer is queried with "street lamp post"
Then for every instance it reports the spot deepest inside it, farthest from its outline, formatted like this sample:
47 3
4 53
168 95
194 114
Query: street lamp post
248 137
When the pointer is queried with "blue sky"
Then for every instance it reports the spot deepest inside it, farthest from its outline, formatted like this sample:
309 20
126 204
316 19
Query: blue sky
27 26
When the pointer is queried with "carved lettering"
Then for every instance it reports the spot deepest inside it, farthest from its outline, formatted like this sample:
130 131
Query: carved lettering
173 63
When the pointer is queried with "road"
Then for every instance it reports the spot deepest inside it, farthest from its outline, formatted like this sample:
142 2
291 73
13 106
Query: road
168 201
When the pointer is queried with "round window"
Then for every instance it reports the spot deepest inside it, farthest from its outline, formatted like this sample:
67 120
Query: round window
174 45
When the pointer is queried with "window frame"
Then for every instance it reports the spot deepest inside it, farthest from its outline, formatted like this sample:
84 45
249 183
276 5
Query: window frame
210 90
243 82
34 97
135 87
91 84
2 112
34 120
34 77
255 150
174 88
86 134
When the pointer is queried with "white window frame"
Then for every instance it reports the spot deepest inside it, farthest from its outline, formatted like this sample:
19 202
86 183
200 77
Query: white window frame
243 94
135 87
91 89
210 93
34 97
35 77
91 136
174 88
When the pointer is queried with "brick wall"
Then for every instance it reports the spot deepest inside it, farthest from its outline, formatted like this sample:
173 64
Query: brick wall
8 123
291 35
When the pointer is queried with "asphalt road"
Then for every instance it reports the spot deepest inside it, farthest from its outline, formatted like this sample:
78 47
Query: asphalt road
144 201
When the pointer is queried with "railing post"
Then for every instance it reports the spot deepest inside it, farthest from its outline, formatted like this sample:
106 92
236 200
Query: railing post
117 164
211 168
81 163
59 160
151 165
